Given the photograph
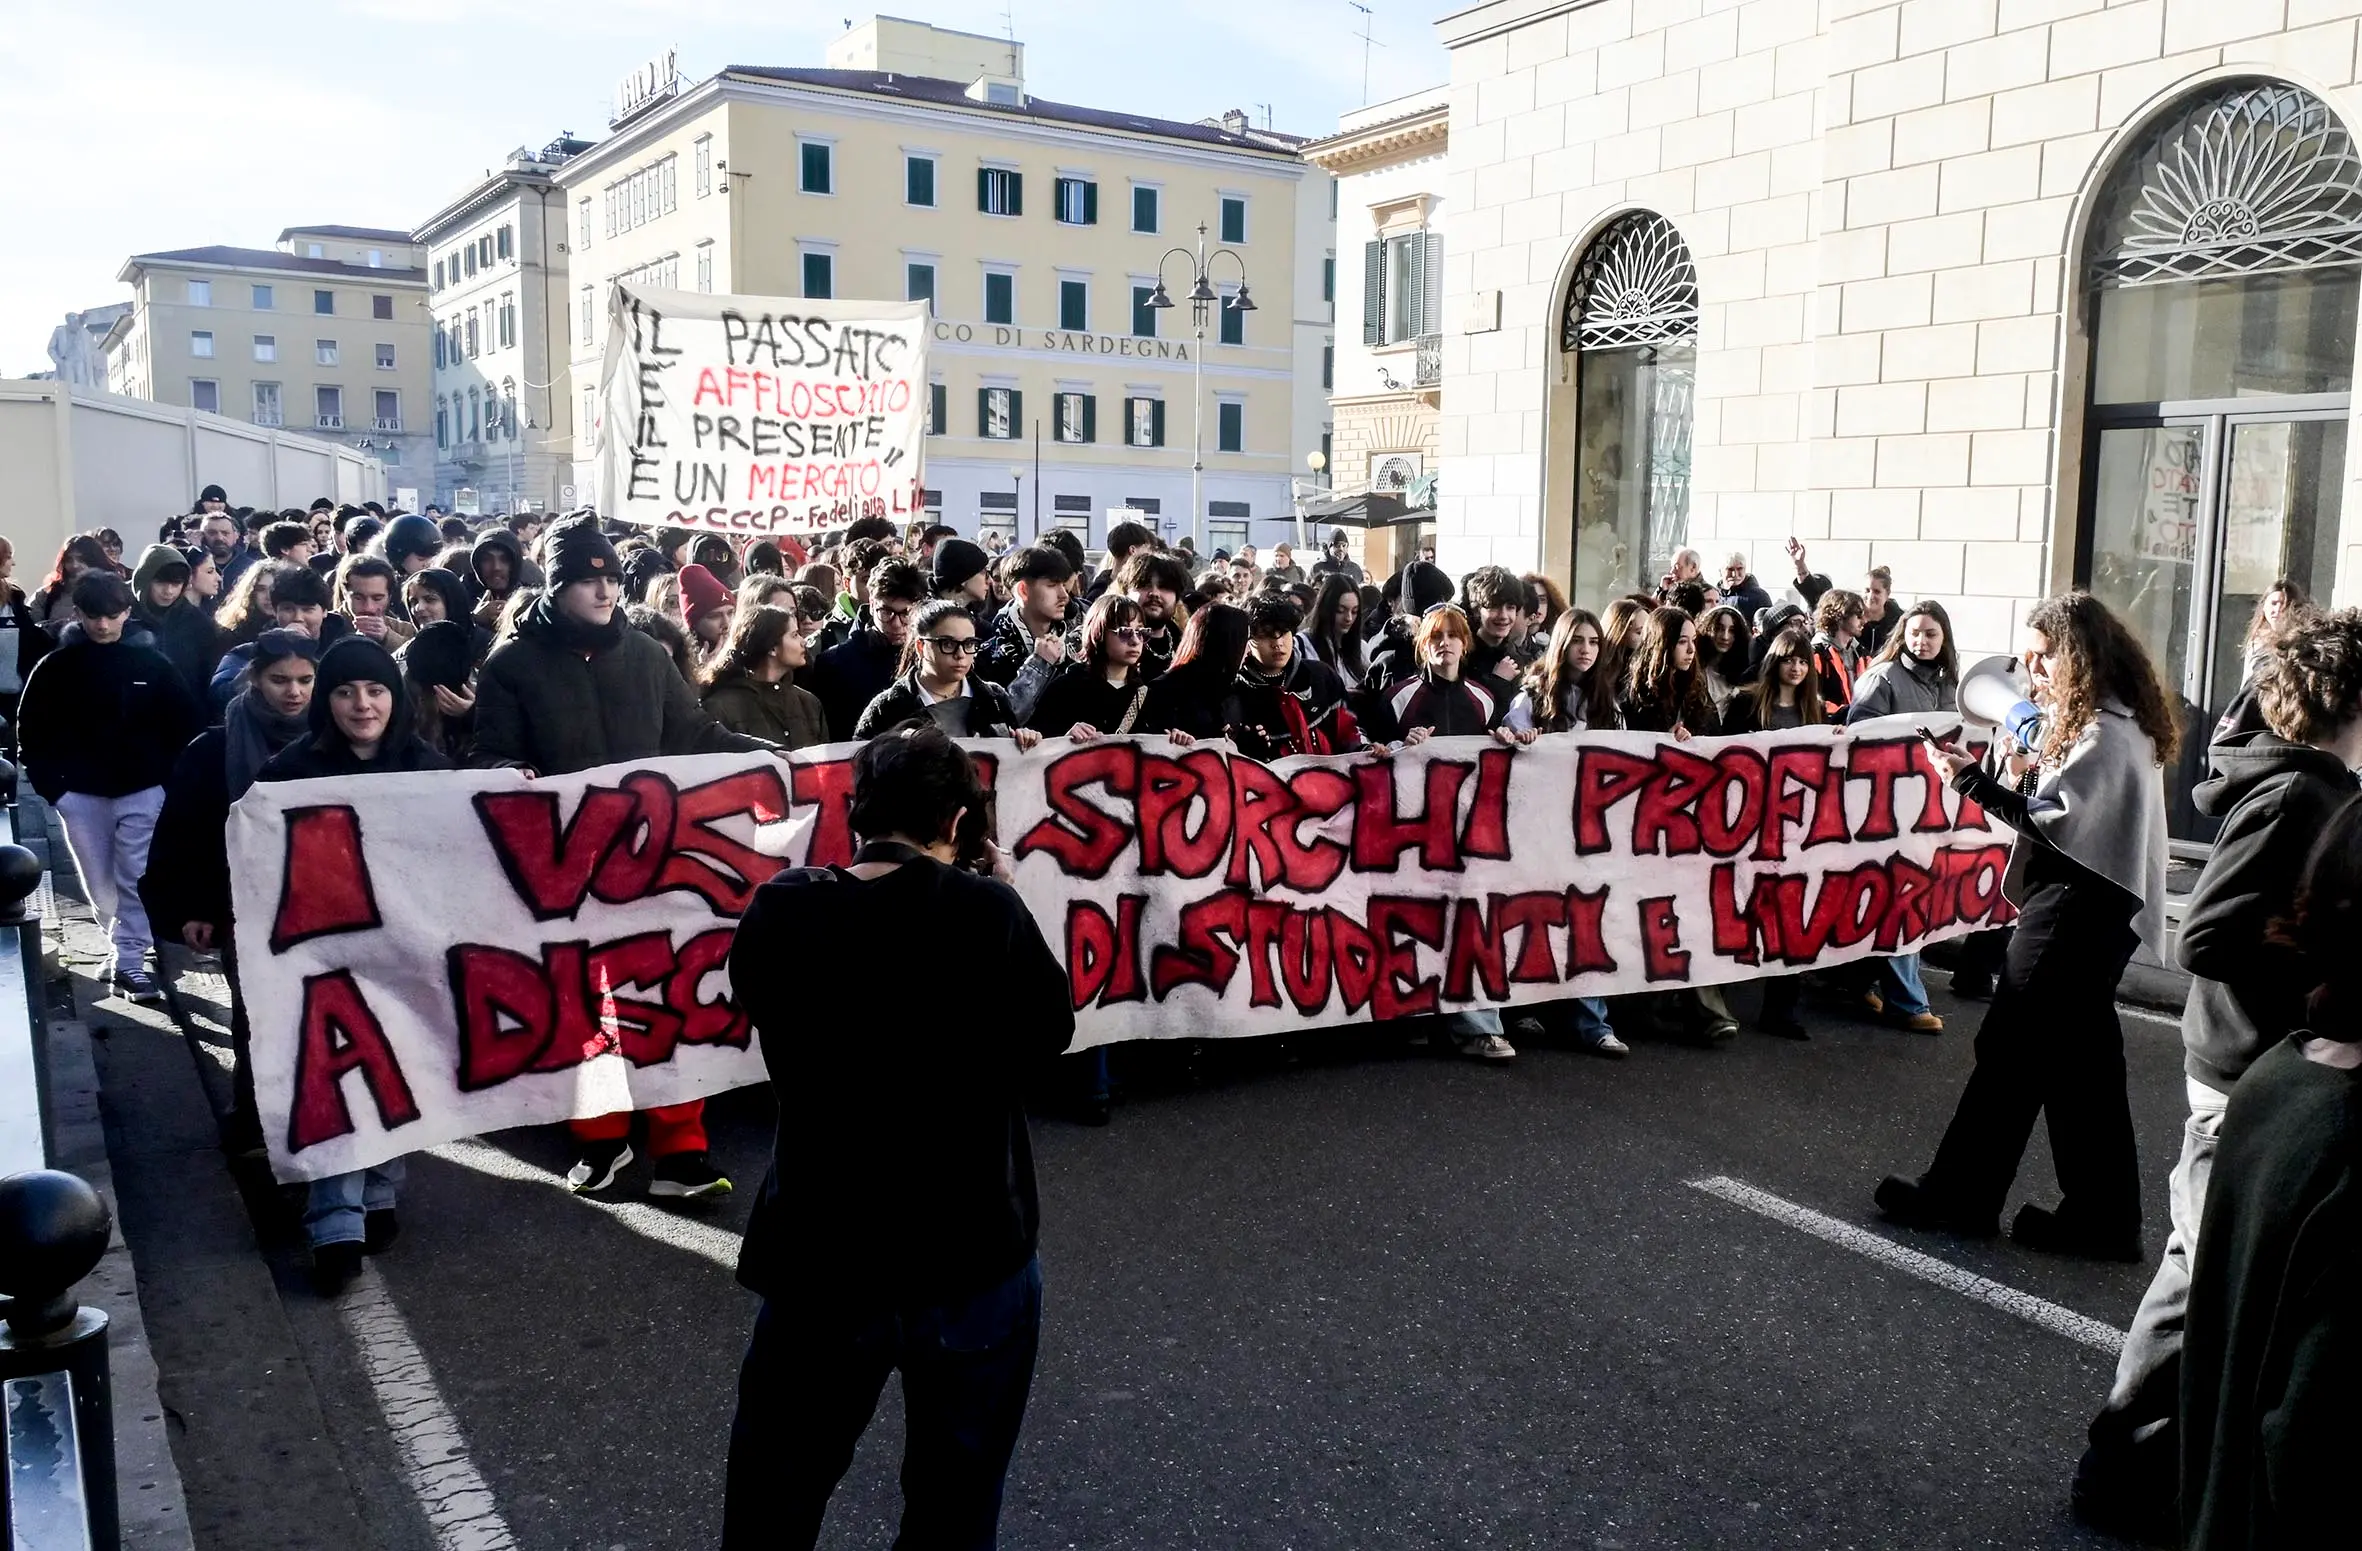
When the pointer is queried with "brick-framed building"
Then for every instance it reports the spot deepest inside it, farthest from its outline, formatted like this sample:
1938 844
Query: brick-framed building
2008 295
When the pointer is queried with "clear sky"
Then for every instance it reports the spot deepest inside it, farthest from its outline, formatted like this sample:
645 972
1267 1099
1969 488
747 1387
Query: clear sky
138 126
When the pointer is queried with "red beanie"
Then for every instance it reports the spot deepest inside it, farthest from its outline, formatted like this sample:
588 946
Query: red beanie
701 593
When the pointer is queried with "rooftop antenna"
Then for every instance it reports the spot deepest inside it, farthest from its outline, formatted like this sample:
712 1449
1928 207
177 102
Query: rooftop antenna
1266 107
1009 31
1366 44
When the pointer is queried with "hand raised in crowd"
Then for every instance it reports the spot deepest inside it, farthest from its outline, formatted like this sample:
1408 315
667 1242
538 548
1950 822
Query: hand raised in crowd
1000 863
1796 554
1951 761
370 625
198 935
1509 737
1050 648
1083 732
1026 738
453 702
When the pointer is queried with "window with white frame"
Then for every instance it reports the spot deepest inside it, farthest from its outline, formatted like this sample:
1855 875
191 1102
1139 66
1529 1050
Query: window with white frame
1230 425
324 352
1076 201
998 412
705 265
328 408
705 165
816 167
201 344
642 195
266 347
200 293
205 394
918 282
1000 191
589 423
996 512
586 315
1000 296
266 404
820 273
386 409
442 421
1145 200
262 298
1234 218
508 321
385 358
582 222
918 180
1076 416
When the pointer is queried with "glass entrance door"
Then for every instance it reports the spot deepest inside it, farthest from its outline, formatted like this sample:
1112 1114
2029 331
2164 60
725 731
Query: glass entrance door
2194 517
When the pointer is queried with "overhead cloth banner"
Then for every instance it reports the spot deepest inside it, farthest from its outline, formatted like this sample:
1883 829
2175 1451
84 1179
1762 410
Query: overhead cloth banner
758 414
431 956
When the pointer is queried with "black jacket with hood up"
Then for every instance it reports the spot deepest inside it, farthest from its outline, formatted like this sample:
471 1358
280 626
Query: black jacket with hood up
2274 799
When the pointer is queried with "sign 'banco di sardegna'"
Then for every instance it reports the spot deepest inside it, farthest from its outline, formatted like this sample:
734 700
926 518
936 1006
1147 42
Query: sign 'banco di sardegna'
432 956
760 415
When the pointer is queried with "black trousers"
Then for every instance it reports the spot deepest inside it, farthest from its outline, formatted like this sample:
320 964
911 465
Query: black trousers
2051 1045
810 1384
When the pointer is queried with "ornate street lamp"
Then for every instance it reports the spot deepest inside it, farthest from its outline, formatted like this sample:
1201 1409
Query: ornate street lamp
1202 298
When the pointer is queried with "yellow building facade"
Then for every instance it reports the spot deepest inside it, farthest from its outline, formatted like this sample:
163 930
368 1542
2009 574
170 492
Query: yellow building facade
1038 230
326 334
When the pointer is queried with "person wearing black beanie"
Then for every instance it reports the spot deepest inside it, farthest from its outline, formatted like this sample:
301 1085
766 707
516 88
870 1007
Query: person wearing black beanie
436 666
963 574
360 726
574 688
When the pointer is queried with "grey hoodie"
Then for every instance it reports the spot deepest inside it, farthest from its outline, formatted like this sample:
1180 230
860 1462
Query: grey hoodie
2274 799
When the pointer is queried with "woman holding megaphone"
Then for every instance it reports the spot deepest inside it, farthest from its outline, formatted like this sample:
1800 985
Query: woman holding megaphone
2088 878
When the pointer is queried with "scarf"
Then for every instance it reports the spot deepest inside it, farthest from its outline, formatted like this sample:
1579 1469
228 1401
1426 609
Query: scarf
2103 805
254 732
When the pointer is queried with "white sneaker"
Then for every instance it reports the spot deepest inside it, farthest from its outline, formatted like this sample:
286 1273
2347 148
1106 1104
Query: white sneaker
1489 1047
596 1169
1609 1045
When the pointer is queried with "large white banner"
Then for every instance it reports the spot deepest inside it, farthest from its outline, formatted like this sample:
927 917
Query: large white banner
431 956
760 415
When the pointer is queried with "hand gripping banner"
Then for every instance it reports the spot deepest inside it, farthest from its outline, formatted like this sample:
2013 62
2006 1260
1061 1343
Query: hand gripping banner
432 956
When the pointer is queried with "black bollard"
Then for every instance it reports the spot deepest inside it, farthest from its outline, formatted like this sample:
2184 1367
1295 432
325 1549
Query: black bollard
53 1229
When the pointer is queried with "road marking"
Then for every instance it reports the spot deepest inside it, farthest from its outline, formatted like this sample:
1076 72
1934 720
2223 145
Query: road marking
456 1499
2040 1311
702 1239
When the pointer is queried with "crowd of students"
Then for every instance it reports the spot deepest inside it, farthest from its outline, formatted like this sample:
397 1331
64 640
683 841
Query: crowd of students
346 641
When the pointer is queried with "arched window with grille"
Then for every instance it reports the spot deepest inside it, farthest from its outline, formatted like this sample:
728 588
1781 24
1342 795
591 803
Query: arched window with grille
2221 273
1631 323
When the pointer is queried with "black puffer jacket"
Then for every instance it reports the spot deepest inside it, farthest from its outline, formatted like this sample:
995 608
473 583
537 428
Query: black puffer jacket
985 707
105 720
556 699
2274 799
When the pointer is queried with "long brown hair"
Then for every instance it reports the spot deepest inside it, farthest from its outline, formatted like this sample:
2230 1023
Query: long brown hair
2094 659
754 635
1947 660
1551 683
1111 612
1790 645
1621 626
1679 694
2293 600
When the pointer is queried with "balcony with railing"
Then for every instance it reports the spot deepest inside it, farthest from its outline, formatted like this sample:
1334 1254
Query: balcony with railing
327 422
387 423
269 418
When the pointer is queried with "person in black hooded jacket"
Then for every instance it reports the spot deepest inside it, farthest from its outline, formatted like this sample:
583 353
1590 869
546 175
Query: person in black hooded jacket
179 629
358 725
186 887
496 569
2275 793
1394 654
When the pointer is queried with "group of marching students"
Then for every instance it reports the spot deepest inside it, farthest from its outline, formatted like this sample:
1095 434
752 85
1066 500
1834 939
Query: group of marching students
244 647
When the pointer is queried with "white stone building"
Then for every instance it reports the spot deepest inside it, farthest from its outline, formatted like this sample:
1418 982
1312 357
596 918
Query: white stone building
2008 295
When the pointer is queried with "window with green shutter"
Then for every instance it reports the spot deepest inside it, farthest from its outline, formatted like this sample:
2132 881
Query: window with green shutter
1144 209
938 409
1234 322
818 176
1000 191
1234 220
819 275
918 284
1074 304
1230 423
999 412
1144 422
1143 315
1000 298
918 180
1077 201
1373 293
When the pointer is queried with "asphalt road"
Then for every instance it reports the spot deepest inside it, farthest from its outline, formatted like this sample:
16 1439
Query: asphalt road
1364 1296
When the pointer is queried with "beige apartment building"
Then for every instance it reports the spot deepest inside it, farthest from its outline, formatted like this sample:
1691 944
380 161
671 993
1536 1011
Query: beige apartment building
496 285
326 334
1386 382
917 165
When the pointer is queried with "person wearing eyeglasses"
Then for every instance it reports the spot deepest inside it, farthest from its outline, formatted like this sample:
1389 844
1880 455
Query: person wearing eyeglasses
850 674
1103 690
1288 702
939 682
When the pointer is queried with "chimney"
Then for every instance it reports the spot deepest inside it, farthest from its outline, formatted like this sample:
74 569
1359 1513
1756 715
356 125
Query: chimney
1235 121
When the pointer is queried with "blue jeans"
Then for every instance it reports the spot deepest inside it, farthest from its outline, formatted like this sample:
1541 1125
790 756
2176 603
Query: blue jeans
1461 1027
810 1384
333 1212
1899 982
1591 1025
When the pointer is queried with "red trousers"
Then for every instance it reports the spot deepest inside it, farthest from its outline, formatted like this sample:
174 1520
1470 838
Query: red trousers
672 1128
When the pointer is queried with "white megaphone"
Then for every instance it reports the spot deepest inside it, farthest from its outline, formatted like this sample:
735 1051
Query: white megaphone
1994 694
